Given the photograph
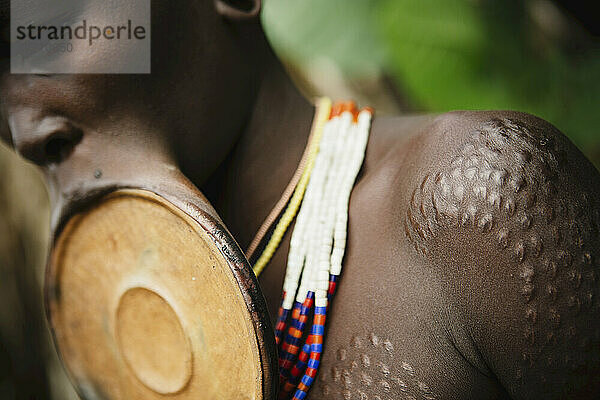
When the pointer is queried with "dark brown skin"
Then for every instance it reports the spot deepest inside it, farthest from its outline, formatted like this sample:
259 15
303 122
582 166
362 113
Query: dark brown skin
472 263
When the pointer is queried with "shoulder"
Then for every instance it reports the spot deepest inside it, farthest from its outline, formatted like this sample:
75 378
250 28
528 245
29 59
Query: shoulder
506 208
486 169
491 171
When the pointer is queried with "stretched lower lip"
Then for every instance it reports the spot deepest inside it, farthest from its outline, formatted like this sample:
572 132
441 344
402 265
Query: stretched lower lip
161 178
70 204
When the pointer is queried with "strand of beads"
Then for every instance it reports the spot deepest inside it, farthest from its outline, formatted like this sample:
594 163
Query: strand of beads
323 260
326 282
317 244
340 234
344 141
295 260
309 232
305 239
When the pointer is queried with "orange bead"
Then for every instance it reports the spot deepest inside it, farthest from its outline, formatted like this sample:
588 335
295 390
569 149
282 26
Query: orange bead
319 319
370 110
303 387
336 109
349 106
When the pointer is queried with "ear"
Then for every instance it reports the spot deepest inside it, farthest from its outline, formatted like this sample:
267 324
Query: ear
238 10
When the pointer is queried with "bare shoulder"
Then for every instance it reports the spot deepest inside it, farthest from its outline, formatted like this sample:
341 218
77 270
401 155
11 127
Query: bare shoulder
507 209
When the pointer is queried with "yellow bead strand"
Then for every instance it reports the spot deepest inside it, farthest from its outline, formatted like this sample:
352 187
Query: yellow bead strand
322 116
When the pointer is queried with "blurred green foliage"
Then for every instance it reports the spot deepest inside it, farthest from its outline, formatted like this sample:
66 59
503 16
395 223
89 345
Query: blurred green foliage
456 54
342 30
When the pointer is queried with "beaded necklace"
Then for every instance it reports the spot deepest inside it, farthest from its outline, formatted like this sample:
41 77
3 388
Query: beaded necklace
318 198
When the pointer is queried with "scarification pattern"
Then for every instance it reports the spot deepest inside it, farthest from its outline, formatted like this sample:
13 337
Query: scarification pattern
369 369
505 183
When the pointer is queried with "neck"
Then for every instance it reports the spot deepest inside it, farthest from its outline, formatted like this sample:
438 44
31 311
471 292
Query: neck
251 180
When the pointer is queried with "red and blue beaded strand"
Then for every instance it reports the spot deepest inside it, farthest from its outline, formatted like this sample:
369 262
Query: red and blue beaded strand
317 247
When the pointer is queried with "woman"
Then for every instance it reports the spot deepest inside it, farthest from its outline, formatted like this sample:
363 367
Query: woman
473 237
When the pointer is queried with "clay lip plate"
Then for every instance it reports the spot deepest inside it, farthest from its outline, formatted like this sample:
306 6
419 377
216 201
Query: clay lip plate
135 258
